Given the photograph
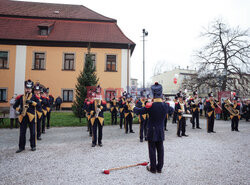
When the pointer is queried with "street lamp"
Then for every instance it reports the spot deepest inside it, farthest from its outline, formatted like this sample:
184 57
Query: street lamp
145 33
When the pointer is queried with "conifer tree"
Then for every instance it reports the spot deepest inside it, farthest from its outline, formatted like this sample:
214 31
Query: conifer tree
87 77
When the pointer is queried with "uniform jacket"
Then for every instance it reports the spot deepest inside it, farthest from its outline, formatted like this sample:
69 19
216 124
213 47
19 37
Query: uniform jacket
178 110
31 107
210 107
44 104
93 107
157 113
194 107
114 106
237 107
140 103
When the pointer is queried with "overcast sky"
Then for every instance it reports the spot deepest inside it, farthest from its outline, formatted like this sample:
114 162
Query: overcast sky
173 26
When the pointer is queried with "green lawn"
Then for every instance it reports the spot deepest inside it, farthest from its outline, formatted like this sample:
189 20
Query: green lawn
67 119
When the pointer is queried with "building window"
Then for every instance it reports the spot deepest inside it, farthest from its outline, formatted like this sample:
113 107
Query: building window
4 60
69 59
68 95
3 95
39 61
44 31
93 57
111 63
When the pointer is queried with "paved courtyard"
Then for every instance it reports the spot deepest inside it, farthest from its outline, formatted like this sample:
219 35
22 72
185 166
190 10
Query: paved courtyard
65 156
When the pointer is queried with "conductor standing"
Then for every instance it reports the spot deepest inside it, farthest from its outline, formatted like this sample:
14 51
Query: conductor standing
157 111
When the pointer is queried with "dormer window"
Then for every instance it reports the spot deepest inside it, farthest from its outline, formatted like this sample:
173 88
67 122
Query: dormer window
45 28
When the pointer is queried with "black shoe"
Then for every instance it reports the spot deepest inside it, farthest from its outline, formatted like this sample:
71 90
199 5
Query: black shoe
198 127
33 149
193 128
132 131
126 132
93 145
232 129
19 150
150 170
39 138
43 132
178 135
158 171
185 135
48 127
146 139
208 132
100 144
141 140
213 131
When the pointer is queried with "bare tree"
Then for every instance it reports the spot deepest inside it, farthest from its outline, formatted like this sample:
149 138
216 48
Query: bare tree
224 62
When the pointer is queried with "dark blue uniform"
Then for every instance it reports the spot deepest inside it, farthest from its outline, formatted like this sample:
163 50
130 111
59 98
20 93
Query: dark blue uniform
128 113
114 111
45 104
210 107
142 120
97 120
195 110
235 118
157 113
181 125
121 111
49 109
39 114
26 119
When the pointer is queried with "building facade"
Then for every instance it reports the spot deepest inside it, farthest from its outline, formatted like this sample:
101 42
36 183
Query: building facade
49 42
172 80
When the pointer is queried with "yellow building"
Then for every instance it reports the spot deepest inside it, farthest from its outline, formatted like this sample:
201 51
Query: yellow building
48 43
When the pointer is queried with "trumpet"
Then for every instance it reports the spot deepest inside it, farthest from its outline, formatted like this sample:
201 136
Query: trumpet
25 105
230 109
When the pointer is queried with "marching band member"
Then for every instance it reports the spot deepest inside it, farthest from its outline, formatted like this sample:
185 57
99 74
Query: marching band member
157 111
210 107
97 107
128 113
235 118
142 119
26 105
181 109
122 102
195 110
45 104
114 111
39 112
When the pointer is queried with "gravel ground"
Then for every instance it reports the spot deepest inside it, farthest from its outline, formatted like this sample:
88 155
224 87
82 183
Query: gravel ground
65 156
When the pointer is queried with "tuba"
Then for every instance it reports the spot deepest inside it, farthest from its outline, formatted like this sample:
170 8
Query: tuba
230 109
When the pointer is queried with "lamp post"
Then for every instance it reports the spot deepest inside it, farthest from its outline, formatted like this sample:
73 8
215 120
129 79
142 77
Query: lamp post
145 33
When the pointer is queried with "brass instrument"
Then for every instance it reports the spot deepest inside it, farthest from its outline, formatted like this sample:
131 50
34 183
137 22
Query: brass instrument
97 110
25 105
230 109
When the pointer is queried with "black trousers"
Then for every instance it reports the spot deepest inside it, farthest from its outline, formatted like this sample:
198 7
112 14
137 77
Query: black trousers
225 115
154 147
43 122
210 123
121 119
181 126
89 127
58 106
128 123
12 122
174 117
48 119
23 127
200 112
235 123
195 118
96 125
39 121
143 129
114 117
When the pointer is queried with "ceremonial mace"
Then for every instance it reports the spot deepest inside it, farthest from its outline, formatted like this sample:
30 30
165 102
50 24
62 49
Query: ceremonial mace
123 167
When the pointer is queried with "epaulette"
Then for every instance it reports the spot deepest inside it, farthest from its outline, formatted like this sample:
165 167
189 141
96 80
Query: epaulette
167 103
19 96
91 101
104 102
176 103
47 98
207 101
149 105
238 103
88 103
191 99
51 96
37 97
123 103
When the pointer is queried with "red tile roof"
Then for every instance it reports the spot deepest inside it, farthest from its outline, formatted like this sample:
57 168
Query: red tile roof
49 10
74 23
27 29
